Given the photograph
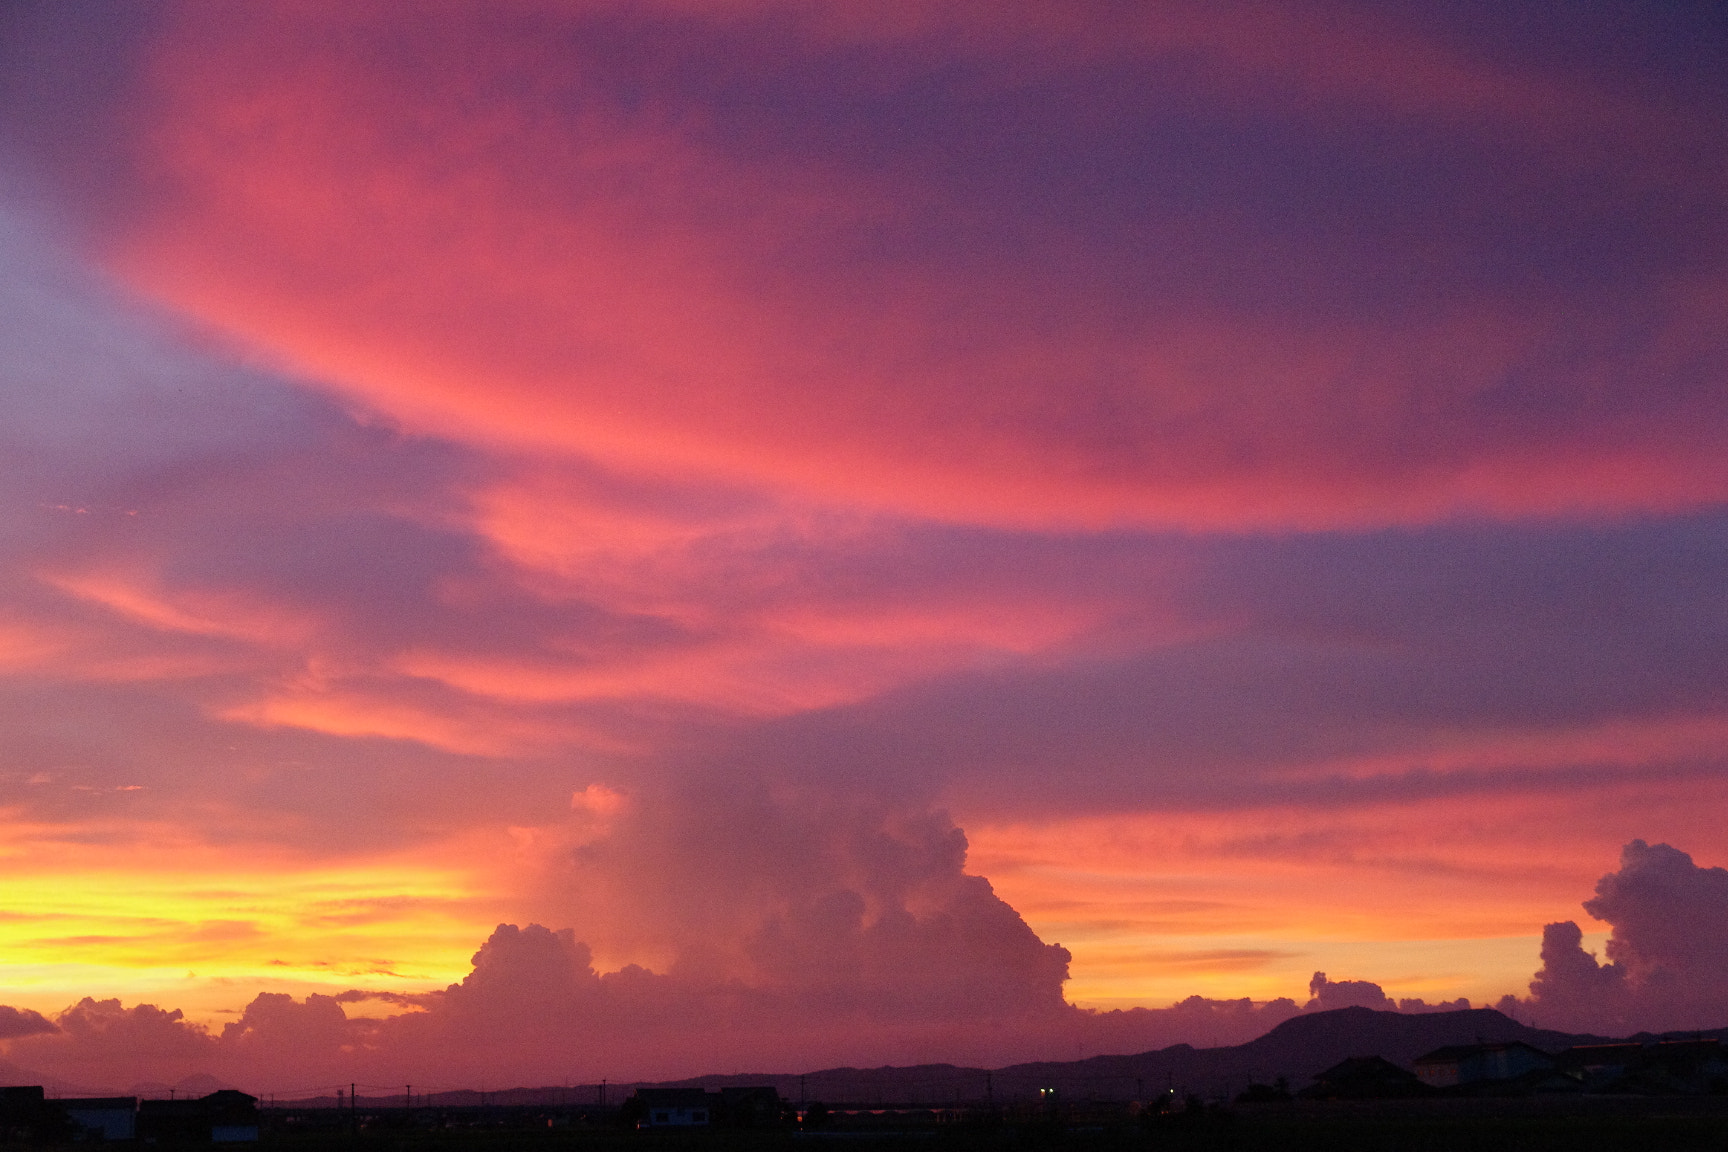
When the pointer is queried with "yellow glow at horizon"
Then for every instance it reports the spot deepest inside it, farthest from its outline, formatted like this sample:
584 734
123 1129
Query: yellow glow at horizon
210 940
1153 907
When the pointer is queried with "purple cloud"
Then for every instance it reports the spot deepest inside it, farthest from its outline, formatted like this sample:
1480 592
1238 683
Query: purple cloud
1667 962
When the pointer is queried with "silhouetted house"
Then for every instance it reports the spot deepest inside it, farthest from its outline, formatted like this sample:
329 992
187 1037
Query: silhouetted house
750 1107
224 1117
1682 1067
27 1115
1364 1078
1599 1066
1459 1064
1670 1067
677 1107
101 1117
739 1107
233 1116
174 1120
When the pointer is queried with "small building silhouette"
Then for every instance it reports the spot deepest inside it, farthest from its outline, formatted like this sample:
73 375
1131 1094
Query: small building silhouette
101 1117
1599 1066
677 1107
1364 1078
223 1117
742 1106
1665 1068
1678 1067
750 1107
1459 1064
27 1115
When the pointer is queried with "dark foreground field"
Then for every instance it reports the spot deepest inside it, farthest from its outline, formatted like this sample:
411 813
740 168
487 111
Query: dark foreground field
1609 1126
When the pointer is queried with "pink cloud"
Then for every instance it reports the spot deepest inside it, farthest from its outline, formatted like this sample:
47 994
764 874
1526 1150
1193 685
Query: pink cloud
675 285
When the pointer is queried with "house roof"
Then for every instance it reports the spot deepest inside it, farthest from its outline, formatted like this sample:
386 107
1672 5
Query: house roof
1363 1077
225 1100
175 1107
746 1091
676 1097
1364 1068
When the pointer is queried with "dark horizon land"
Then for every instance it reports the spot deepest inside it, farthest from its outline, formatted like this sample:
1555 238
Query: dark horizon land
550 541
1293 1052
1181 1097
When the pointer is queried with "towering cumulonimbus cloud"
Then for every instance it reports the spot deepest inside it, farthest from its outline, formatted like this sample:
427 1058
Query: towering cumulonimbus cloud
842 905
1571 989
1667 964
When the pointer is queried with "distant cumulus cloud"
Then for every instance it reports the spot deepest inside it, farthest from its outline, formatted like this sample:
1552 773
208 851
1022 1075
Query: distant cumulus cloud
105 1043
1667 964
1326 995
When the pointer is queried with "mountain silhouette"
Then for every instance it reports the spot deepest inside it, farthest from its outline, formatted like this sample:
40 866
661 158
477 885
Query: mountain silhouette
1295 1050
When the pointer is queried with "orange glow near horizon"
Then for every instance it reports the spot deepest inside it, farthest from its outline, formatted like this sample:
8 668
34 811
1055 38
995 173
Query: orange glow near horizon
206 929
1153 908
1251 903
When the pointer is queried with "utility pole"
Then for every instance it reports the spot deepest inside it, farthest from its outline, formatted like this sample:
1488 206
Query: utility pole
800 1090
989 1089
353 1110
408 1101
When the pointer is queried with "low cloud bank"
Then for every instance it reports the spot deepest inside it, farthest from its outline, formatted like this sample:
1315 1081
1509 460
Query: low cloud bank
1324 995
880 950
534 1010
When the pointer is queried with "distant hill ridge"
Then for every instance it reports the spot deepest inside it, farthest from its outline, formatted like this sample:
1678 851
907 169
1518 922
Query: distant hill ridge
1296 1050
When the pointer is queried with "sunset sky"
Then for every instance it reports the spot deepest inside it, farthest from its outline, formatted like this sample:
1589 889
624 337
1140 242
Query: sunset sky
826 501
